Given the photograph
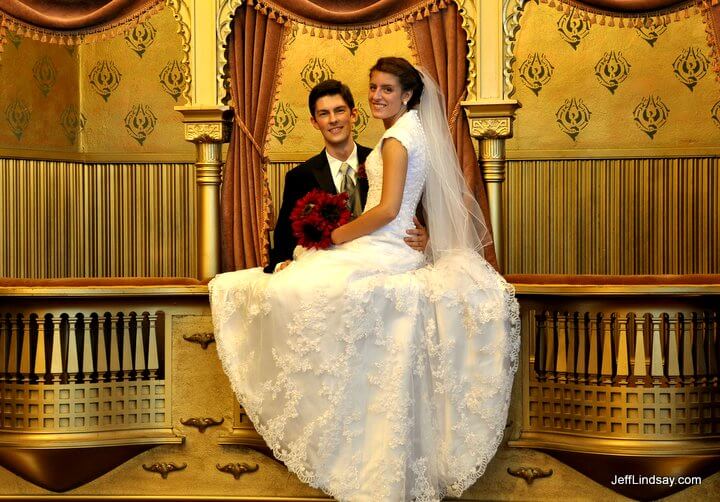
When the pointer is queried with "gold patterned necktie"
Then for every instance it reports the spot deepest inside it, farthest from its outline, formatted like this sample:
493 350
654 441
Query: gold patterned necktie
348 185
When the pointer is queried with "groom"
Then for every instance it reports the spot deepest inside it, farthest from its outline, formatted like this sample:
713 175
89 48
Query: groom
334 170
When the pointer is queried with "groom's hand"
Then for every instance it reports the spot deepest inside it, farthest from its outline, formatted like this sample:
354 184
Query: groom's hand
417 237
282 265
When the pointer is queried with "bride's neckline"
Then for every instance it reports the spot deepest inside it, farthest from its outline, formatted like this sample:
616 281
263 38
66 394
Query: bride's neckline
400 117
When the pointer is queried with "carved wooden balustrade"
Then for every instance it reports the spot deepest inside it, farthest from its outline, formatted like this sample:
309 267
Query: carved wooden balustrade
622 378
82 380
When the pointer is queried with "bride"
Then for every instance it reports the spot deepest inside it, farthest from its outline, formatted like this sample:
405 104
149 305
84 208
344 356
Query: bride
374 371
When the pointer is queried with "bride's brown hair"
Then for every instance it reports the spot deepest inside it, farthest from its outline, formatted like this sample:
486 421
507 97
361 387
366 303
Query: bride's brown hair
406 73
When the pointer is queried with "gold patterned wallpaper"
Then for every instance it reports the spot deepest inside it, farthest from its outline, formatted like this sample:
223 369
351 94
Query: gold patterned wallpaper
605 91
39 96
110 98
347 57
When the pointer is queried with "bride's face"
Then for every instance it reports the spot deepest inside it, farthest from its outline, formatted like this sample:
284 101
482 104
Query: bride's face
385 95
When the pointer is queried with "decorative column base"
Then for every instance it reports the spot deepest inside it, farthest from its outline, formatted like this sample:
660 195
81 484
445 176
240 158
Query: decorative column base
208 127
491 123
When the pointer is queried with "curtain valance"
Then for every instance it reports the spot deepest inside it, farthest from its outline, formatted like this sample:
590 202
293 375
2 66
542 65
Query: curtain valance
72 22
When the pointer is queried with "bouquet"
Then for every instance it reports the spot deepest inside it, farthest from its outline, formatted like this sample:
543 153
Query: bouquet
316 215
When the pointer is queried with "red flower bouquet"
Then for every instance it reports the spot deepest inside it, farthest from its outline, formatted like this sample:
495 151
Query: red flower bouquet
316 215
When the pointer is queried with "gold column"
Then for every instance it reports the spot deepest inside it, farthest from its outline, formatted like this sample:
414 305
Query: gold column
208 128
491 123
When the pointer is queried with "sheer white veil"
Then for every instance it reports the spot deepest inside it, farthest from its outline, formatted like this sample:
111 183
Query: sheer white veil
454 219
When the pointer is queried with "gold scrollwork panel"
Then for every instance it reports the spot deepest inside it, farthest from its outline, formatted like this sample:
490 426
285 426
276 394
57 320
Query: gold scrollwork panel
69 219
612 216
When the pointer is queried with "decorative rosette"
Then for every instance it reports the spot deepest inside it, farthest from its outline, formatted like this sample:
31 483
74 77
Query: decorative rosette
316 215
361 173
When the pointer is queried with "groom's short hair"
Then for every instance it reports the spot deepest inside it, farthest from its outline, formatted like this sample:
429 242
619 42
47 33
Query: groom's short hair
330 88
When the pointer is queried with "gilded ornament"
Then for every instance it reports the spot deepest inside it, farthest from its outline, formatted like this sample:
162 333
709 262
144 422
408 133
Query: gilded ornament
650 32
314 72
201 423
72 122
536 71
44 74
141 37
573 28
513 10
17 115
690 66
202 339
207 132
140 121
104 78
181 14
237 469
490 127
530 474
611 70
573 116
351 39
361 122
715 114
172 79
164 468
284 121
650 115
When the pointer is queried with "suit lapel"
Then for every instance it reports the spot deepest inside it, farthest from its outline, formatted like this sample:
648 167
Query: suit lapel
321 171
363 152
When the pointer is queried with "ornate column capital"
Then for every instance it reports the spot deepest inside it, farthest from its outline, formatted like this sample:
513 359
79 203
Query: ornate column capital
490 118
208 127
206 124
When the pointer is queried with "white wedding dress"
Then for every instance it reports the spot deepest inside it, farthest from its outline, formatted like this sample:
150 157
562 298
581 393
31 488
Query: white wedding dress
372 374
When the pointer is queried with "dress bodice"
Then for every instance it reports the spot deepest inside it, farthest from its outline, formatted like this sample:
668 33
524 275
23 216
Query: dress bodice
408 130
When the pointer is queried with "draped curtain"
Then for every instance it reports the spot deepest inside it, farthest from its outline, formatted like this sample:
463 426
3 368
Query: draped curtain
70 22
441 46
255 51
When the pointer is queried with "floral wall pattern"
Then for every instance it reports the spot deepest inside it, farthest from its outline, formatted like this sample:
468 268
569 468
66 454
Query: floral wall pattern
588 88
113 96
39 96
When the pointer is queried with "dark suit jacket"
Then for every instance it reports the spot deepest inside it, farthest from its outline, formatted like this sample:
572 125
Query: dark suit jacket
314 173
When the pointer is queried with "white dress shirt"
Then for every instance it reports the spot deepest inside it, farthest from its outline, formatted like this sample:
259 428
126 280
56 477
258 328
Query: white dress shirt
335 164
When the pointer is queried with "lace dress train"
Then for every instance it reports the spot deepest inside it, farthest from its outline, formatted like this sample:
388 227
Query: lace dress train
371 374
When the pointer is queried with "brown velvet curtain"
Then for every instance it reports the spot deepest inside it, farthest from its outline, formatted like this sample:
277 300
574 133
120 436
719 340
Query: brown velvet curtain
255 52
630 6
441 45
349 12
64 15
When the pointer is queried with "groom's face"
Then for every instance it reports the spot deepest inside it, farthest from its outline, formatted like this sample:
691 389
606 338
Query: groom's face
334 119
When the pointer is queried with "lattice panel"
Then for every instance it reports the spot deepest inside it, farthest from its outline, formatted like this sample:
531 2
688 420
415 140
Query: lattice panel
84 407
629 413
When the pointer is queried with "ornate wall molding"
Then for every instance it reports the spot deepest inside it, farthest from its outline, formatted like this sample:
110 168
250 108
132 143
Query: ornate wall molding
181 13
513 10
223 23
468 12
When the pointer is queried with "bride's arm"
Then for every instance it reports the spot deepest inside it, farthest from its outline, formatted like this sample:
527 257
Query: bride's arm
395 162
